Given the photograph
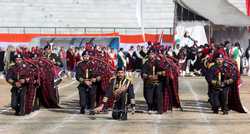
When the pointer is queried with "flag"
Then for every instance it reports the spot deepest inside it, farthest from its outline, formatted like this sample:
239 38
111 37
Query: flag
248 7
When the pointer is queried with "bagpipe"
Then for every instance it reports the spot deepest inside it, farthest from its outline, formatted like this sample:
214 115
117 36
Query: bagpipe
120 88
170 69
102 67
232 73
39 74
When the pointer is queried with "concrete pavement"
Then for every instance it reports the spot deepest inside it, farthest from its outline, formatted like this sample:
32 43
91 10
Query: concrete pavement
196 118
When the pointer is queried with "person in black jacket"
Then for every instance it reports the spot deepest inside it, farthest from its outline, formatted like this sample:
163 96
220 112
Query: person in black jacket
1 60
87 86
153 84
122 90
247 54
16 77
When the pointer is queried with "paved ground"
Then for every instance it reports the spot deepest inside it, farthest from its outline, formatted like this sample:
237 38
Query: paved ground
196 118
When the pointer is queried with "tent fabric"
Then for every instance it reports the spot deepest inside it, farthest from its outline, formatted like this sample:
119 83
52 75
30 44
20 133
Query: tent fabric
219 12
196 31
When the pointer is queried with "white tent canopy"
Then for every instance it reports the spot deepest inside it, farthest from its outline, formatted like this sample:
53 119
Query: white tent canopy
195 29
219 12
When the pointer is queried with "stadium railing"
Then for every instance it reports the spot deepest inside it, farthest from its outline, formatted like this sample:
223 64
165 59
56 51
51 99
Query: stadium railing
80 30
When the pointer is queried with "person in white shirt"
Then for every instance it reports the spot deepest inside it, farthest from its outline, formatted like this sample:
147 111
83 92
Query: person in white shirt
236 54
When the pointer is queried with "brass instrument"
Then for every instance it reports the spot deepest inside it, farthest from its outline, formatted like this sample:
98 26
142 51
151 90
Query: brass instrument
87 73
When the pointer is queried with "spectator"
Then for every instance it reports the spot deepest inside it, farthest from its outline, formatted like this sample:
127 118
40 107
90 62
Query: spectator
113 56
9 57
70 55
1 60
121 59
176 50
63 57
236 53
138 59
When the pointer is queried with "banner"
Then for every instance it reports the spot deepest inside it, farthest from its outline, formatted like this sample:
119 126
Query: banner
34 39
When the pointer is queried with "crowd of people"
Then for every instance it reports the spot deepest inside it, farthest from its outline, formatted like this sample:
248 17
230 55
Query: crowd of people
105 76
34 80
190 58
102 76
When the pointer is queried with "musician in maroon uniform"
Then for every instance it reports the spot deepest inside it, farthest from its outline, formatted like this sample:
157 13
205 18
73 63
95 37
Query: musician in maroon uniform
153 90
121 89
23 78
87 88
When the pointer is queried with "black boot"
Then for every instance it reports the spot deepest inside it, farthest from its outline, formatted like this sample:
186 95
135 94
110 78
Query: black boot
116 115
216 111
225 112
91 112
16 113
160 112
82 111
124 116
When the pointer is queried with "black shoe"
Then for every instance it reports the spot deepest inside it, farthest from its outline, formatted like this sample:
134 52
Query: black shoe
209 100
115 115
92 113
225 112
16 113
160 112
82 111
216 111
124 116
22 113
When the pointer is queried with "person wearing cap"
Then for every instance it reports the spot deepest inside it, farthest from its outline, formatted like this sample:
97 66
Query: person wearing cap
121 88
16 77
153 83
63 58
53 57
87 83
220 76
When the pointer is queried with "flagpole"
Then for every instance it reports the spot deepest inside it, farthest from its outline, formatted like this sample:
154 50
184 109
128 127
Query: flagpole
175 23
139 15
142 19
